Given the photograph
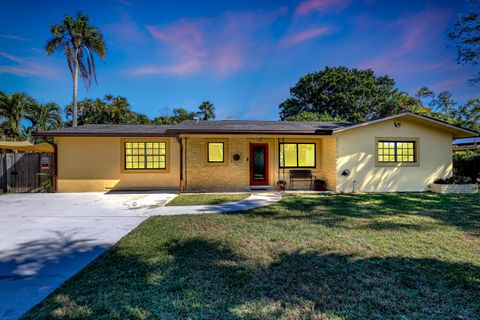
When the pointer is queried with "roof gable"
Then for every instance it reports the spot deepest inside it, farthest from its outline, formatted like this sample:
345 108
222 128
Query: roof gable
457 131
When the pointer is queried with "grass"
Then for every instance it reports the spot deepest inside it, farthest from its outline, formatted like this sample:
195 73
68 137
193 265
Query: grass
201 199
400 256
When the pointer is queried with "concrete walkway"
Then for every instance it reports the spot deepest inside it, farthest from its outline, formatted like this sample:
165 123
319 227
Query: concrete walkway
47 238
255 200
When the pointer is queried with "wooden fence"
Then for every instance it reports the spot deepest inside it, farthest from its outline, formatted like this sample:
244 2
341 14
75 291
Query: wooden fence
26 172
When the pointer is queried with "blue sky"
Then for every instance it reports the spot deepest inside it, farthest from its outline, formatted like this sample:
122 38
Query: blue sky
241 55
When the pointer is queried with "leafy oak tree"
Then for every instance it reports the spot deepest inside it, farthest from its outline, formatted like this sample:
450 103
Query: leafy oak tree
339 92
465 36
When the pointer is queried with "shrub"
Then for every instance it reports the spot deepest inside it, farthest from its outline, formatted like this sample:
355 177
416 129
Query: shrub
454 180
467 164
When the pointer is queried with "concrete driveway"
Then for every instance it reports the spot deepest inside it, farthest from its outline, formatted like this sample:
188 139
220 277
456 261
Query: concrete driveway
47 238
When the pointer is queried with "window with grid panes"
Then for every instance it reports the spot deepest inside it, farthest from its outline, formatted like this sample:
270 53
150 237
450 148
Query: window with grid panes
395 151
145 155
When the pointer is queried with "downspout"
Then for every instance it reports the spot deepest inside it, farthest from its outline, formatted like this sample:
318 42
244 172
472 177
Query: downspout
278 173
283 167
186 179
55 167
181 187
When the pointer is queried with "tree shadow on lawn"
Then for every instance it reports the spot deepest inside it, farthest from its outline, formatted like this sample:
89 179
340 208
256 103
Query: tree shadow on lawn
201 279
461 211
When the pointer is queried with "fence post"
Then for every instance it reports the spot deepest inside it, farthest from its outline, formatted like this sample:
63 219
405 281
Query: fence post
3 171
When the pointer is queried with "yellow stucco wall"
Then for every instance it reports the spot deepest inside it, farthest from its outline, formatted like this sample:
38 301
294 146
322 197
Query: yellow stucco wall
235 174
95 164
356 152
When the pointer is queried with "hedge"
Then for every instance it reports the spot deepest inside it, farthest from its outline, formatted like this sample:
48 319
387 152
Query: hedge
467 164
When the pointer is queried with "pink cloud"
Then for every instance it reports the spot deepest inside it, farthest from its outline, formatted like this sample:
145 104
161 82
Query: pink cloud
219 45
303 36
188 67
126 31
412 32
26 66
449 84
185 35
309 6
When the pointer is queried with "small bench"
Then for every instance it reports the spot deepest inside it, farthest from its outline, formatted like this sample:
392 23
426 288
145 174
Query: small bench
301 175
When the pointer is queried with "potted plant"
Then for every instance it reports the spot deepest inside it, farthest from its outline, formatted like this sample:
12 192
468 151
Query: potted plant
319 185
454 184
281 184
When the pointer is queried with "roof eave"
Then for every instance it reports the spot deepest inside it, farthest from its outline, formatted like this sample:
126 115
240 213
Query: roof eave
65 134
269 132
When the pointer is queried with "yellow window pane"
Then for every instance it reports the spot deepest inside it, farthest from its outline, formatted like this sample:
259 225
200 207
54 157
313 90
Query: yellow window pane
288 155
306 155
215 152
141 162
129 165
162 165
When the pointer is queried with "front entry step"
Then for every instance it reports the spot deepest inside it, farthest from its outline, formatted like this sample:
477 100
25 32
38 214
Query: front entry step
260 187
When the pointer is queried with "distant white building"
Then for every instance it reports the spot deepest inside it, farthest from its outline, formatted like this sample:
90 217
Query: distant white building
466 144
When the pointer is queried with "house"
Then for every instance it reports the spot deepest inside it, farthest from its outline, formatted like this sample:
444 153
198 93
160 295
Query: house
466 144
403 152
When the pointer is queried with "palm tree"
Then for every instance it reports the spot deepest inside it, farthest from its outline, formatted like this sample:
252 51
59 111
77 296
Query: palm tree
207 110
79 40
43 116
424 92
12 108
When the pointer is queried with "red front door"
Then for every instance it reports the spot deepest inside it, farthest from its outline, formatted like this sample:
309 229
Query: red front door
258 164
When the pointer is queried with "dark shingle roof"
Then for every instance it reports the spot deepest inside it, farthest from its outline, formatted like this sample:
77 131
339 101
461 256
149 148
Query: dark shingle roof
108 130
192 126
247 126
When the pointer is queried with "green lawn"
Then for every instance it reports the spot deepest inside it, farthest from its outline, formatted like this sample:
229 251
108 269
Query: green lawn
199 199
401 256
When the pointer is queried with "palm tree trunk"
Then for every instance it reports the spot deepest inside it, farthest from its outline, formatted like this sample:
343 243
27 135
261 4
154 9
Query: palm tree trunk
75 91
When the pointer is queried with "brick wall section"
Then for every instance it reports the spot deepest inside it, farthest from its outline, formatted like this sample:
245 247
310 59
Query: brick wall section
204 176
235 175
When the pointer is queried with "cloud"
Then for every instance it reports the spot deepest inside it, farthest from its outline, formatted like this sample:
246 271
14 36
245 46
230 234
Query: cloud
450 84
188 67
13 37
126 31
219 45
309 6
304 36
26 66
412 33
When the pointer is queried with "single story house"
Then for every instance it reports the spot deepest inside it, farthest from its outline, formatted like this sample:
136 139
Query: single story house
402 152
